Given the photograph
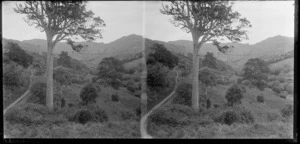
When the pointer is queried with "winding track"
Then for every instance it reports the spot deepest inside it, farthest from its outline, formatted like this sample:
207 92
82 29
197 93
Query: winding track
143 121
22 96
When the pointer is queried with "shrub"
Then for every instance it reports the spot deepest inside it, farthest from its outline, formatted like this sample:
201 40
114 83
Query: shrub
126 115
276 89
173 115
260 99
131 88
239 80
234 95
184 92
208 103
228 117
273 116
138 111
88 94
11 78
289 88
82 116
99 115
38 91
216 106
281 79
33 114
282 96
239 115
276 83
287 111
246 82
115 97
131 71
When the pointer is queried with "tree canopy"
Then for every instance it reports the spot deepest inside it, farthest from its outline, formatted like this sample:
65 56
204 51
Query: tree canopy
255 69
209 61
15 53
162 55
63 20
64 60
110 71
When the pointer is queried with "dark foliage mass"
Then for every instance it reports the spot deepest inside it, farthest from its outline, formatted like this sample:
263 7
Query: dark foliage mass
115 97
88 94
162 55
18 55
157 76
236 115
38 91
260 99
209 61
234 95
90 114
64 60
110 72
287 111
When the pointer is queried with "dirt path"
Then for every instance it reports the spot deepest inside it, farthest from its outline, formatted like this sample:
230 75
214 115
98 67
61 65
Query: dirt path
22 96
143 121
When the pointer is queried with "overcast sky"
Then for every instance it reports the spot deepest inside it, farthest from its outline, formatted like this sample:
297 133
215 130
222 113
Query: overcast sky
268 18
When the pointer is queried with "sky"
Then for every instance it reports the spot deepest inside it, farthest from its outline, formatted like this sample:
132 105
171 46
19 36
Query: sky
122 18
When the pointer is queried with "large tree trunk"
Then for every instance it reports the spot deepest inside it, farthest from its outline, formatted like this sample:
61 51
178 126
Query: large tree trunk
195 75
49 92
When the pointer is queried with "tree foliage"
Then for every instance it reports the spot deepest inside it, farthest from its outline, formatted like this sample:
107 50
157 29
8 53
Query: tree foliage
207 77
62 76
234 95
88 94
63 20
162 55
64 60
209 61
255 69
110 71
38 90
17 54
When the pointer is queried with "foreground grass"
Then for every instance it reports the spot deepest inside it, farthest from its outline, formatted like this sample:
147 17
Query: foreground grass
115 129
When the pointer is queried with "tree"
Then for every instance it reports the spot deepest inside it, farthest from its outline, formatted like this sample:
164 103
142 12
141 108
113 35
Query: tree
110 72
256 69
162 55
88 94
64 60
18 55
61 20
63 77
209 61
234 95
206 21
207 78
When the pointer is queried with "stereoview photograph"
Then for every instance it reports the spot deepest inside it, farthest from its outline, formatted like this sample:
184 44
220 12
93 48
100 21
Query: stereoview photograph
148 69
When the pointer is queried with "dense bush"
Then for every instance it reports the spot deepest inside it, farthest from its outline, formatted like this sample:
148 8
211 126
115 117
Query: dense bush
138 111
260 99
281 79
184 94
88 94
282 96
289 88
234 95
115 97
174 115
130 88
11 79
287 111
126 115
38 91
245 82
33 114
276 89
92 114
240 115
208 103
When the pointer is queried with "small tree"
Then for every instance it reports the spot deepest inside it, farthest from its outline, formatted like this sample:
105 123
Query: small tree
110 72
63 77
210 61
39 93
234 95
162 55
61 20
64 60
18 55
207 78
88 94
